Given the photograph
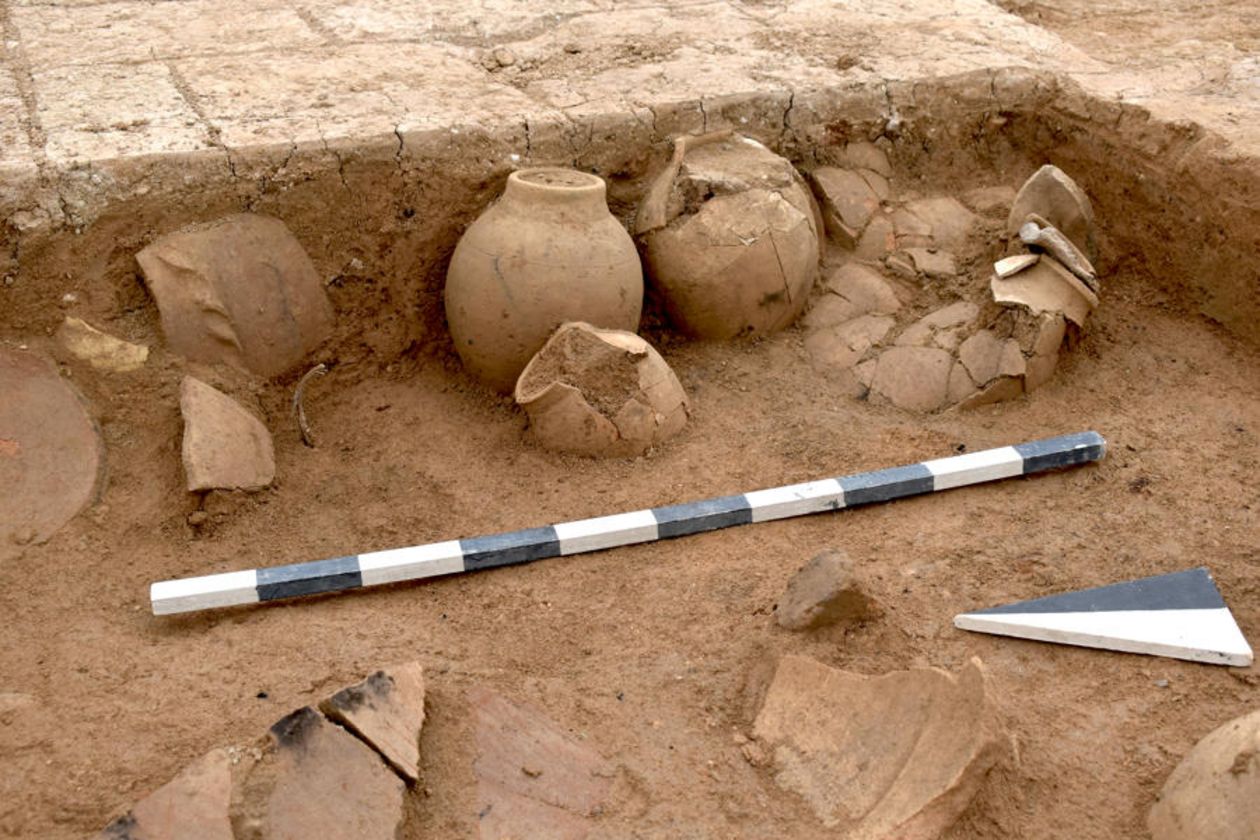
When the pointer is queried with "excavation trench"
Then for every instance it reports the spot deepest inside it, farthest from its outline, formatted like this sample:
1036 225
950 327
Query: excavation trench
650 654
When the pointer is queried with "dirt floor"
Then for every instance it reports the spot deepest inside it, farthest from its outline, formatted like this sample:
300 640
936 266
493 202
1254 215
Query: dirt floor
650 654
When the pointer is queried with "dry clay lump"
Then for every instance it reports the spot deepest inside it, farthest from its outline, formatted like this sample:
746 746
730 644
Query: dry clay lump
731 236
241 291
1215 790
894 756
308 778
51 457
825 591
548 251
225 447
601 392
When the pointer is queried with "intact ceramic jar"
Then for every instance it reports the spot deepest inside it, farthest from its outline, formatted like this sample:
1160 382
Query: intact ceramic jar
548 251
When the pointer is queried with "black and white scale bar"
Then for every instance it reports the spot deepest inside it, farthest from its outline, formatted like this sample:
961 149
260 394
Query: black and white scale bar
1181 615
467 555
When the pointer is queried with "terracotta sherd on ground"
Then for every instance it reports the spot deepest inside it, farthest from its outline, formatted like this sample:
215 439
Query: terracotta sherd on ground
240 290
894 756
225 447
195 805
51 457
533 780
387 711
1215 790
732 238
601 392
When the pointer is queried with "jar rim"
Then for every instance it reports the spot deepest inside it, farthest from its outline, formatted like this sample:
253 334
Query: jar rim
557 178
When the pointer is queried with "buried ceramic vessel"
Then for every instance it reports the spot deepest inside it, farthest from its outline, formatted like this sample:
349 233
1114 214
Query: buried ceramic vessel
548 251
600 393
732 237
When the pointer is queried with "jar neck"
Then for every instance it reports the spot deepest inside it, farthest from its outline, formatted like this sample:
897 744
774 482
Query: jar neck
558 190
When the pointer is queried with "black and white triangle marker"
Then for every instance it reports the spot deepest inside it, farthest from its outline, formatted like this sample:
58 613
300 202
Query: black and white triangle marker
1181 615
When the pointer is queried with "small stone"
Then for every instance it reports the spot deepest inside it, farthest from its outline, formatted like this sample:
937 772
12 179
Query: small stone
990 201
913 378
932 262
1007 266
503 56
1215 790
844 346
573 48
865 288
314 779
198 518
387 712
823 592
897 755
949 221
1054 196
847 203
101 350
69 299
1161 683
240 290
192 806
225 447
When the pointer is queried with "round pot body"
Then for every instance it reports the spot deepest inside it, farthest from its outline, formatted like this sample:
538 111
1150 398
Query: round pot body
738 251
548 251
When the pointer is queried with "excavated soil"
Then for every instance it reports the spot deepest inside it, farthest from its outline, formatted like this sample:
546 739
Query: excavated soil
654 654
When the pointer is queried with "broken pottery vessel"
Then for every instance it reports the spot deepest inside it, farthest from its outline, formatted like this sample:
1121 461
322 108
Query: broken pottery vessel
899 755
240 290
732 237
548 251
601 393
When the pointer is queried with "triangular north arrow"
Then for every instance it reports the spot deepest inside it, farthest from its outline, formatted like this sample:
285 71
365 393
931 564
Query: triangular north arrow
1181 615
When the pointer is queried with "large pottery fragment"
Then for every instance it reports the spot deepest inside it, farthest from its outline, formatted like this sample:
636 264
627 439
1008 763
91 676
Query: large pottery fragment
895 756
51 457
240 291
533 780
225 447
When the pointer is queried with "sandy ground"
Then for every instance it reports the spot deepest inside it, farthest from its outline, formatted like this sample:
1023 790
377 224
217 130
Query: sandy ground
648 653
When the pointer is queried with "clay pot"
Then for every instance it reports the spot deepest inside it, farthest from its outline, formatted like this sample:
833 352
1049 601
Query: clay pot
548 251
600 392
732 238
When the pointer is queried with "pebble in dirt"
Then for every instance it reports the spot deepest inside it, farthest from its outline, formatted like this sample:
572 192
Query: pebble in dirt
1181 615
